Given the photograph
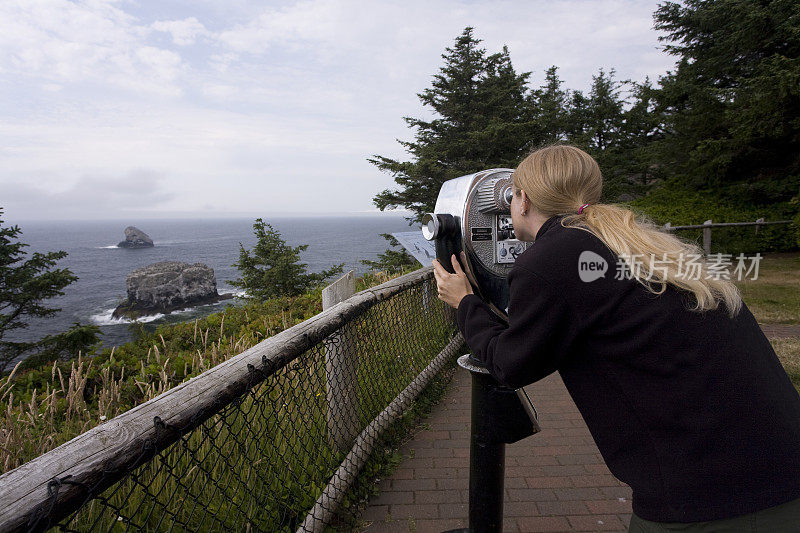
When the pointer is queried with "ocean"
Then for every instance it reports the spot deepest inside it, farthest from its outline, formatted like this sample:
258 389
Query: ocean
101 267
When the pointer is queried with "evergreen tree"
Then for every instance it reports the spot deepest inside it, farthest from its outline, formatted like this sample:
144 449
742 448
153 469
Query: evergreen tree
578 120
274 269
481 121
596 124
605 125
79 338
550 105
504 119
392 261
733 102
25 285
641 130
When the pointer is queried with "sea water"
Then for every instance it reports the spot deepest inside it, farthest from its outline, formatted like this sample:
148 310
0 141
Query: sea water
102 267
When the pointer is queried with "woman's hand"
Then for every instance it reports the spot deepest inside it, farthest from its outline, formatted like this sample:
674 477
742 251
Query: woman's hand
452 287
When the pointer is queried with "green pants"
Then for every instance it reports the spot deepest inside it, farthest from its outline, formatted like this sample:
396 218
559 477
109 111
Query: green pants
783 518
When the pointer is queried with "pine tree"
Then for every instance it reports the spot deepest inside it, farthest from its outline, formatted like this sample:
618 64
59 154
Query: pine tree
605 126
505 120
733 102
578 120
596 124
481 121
550 106
641 131
25 285
273 268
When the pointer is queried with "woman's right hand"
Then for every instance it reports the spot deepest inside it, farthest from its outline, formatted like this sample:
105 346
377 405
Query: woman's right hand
451 287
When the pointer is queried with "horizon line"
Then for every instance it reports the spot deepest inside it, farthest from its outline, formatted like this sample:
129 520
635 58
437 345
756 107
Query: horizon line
217 216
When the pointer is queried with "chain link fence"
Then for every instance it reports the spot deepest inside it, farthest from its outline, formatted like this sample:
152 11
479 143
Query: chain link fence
270 440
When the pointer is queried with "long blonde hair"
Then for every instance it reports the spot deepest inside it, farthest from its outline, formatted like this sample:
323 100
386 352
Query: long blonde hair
559 179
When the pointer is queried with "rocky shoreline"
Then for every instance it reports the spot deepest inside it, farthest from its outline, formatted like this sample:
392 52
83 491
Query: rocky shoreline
126 310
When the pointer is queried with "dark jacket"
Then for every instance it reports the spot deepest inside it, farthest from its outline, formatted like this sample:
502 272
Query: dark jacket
692 410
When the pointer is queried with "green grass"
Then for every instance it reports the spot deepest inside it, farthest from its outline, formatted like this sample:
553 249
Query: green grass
774 298
788 351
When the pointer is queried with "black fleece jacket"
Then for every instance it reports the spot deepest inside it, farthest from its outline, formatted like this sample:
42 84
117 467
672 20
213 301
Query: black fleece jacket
692 410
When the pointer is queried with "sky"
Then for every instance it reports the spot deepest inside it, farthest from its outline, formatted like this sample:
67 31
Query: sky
115 109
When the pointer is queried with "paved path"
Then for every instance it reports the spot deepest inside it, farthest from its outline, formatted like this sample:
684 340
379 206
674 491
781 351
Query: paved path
780 330
555 480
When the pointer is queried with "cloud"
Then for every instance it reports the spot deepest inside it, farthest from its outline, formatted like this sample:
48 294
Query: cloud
184 32
89 197
302 22
86 42
251 106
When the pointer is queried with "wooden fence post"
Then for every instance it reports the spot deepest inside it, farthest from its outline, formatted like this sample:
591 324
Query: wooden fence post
707 237
341 368
426 296
757 223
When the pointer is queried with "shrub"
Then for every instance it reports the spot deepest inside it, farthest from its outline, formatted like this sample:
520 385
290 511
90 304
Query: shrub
682 207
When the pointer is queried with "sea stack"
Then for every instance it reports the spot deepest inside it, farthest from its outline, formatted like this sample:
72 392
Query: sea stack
168 286
136 238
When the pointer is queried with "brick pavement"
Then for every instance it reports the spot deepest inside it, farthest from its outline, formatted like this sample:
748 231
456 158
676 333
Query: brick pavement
556 480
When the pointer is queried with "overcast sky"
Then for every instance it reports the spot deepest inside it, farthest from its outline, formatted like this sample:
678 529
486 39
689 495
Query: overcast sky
169 108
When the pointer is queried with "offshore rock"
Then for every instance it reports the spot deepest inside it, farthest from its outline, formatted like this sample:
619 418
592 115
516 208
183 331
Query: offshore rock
136 238
168 286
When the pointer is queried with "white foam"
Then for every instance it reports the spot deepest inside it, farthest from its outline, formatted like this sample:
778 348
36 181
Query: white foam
106 318
108 247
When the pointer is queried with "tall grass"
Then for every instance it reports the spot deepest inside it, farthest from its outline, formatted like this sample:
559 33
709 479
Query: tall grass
42 413
47 406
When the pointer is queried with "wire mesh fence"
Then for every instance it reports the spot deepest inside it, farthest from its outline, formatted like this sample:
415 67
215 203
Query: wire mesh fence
273 449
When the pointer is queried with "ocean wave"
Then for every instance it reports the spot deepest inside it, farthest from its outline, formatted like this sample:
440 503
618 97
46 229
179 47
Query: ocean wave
236 293
108 247
106 318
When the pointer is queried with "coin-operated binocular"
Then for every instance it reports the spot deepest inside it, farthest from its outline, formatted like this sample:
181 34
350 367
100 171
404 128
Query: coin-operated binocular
473 215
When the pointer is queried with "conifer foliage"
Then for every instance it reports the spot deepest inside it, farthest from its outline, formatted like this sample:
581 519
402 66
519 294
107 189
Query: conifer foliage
481 121
26 283
724 122
732 105
273 268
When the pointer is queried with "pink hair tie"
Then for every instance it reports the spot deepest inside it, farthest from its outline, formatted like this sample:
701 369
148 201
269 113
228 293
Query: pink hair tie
584 206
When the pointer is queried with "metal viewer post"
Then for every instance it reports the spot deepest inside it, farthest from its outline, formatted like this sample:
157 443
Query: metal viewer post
500 416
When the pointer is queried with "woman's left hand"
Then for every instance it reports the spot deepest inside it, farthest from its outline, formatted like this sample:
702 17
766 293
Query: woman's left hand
452 287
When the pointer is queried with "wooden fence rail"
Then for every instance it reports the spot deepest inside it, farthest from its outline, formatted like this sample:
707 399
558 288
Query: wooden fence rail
708 225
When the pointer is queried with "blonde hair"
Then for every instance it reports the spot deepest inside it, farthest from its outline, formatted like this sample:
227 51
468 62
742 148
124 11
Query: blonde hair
559 179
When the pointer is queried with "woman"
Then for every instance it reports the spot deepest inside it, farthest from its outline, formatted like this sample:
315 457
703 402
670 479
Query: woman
681 390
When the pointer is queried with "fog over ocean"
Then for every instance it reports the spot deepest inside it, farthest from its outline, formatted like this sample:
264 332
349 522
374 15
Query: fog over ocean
102 267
